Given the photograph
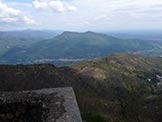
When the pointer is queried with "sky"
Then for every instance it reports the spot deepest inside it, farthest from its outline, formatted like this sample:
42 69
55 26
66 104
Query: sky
81 15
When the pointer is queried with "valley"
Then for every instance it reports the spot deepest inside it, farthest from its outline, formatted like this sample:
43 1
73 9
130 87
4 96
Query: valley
68 47
114 79
102 58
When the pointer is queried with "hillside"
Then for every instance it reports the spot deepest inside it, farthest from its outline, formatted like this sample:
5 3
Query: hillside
22 39
123 64
117 88
73 46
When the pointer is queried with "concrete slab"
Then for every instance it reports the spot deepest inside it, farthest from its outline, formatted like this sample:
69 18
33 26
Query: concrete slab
45 105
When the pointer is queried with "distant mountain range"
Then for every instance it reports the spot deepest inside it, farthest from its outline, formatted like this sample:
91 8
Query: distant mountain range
22 39
154 35
70 47
117 88
28 34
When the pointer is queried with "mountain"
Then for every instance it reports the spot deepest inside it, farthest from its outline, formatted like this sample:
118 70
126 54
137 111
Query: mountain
154 35
130 83
30 34
150 36
23 39
118 88
74 46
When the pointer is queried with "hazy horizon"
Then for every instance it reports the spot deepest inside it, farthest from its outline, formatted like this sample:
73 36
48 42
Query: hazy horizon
82 31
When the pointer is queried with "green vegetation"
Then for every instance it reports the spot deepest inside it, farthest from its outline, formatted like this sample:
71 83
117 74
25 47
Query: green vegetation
95 117
12 40
125 85
73 45
118 88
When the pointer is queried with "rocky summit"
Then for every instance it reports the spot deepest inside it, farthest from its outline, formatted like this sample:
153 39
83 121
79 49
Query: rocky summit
45 105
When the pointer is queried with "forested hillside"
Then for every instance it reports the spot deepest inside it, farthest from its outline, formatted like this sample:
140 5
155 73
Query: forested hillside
75 47
117 88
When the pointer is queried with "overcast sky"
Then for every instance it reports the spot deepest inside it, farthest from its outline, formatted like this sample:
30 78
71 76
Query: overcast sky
81 15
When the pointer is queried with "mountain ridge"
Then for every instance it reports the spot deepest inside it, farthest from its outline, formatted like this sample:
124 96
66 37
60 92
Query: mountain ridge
112 89
74 45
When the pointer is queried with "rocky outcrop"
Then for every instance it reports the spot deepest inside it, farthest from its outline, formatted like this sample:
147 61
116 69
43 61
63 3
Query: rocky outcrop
45 105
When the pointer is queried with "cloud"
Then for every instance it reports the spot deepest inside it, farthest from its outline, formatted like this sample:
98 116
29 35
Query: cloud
88 15
27 20
57 6
54 5
101 17
8 15
71 8
40 4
